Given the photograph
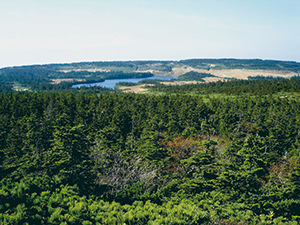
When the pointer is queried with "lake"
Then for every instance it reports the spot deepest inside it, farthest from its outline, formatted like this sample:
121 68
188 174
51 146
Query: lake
110 83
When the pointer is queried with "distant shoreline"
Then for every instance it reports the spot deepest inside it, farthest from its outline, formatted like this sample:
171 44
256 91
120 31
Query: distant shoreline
88 82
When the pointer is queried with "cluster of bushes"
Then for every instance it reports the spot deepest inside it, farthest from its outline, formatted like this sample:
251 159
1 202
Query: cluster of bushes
194 76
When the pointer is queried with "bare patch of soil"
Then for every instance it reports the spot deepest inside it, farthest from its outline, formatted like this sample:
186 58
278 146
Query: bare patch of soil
213 79
88 70
244 73
235 73
57 81
135 89
146 71
180 82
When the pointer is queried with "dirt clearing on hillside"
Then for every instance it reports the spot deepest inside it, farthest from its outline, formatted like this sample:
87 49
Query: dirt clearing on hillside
233 73
135 89
87 70
141 88
57 81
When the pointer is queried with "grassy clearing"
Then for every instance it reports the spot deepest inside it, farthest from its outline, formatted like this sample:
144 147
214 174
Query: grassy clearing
207 97
289 95
18 87
120 69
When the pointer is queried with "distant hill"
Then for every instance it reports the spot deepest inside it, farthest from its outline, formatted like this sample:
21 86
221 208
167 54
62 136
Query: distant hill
253 64
43 76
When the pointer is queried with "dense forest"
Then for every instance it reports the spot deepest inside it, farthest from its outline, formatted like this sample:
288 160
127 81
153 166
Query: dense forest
213 153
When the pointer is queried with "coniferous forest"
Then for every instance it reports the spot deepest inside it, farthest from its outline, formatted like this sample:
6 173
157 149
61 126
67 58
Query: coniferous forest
173 156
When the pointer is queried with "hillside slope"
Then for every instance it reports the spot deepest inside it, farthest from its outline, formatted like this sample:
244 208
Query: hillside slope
43 77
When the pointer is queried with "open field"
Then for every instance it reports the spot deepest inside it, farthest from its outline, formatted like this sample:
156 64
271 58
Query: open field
141 87
88 70
57 81
224 73
244 73
18 87
135 89
232 73
221 75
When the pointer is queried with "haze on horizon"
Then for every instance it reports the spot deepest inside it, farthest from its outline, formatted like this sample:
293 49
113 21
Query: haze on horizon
40 32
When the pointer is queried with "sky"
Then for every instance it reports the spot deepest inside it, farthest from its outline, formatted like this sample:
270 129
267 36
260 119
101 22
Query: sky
65 31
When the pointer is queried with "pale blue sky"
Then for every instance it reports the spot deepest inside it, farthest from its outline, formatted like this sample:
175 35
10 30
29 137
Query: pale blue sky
59 31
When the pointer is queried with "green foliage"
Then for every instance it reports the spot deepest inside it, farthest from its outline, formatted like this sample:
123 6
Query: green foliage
194 76
137 159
